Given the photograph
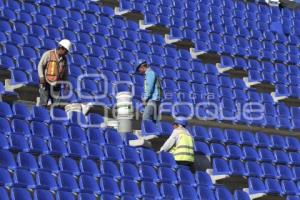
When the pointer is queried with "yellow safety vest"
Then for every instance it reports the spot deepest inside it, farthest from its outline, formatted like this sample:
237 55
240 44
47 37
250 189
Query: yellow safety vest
184 149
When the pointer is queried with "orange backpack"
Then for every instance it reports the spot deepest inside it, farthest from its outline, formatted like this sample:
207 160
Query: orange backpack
53 71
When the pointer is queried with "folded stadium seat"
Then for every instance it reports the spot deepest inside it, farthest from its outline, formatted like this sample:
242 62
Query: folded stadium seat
68 165
223 193
20 127
62 195
18 193
109 186
294 158
164 128
18 143
77 134
5 126
59 116
112 153
169 191
7 62
48 163
203 180
38 145
57 147
292 198
40 114
40 194
109 169
202 148
216 135
218 150
247 138
250 154
199 133
206 193
187 192
77 118
281 157
269 171
166 159
89 167
150 190
185 177
113 137
273 187
220 167
148 157
94 151
293 143
5 179
265 154
253 169
284 172
95 135
240 195
76 149
129 171
130 188
45 180
6 111
27 161
289 187
234 152
67 182
167 175
23 178
256 186
58 131
19 77
88 184
148 173
87 196
130 155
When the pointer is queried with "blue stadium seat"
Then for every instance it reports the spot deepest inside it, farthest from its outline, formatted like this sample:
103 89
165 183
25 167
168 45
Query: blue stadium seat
58 131
169 191
18 143
273 187
187 192
45 180
94 151
265 155
148 157
150 190
216 135
199 133
130 188
256 186
23 178
18 193
95 135
4 126
68 165
129 171
234 152
220 167
86 196
6 111
289 188
62 195
112 153
21 127
237 168
292 143
241 195
148 173
109 169
27 161
247 138
67 182
89 184
113 137
5 179
89 167
77 134
109 186
167 175
232 136
76 149
40 194
269 171
164 128
281 157
57 147
206 193
186 177
222 192
48 163
40 129
202 148
166 159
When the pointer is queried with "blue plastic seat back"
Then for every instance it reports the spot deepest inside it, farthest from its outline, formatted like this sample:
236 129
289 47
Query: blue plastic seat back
68 165
20 194
109 186
27 161
109 169
46 180
169 191
67 182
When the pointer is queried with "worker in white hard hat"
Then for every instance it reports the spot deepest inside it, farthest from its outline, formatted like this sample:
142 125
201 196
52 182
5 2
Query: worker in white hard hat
52 69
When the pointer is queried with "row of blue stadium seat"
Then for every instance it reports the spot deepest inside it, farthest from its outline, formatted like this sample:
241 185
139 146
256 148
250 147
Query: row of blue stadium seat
226 136
128 190
255 169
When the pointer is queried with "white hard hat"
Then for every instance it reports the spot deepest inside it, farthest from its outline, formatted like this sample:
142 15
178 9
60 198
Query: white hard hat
66 44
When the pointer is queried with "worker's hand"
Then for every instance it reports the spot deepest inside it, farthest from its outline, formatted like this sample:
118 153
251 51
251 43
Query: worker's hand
42 81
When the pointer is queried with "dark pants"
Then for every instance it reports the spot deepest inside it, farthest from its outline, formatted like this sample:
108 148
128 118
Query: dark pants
45 94
190 165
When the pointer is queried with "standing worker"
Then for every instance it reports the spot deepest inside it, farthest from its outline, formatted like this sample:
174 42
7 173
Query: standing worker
152 91
52 68
181 144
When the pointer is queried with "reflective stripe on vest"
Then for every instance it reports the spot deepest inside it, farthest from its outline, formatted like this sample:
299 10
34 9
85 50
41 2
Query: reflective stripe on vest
184 150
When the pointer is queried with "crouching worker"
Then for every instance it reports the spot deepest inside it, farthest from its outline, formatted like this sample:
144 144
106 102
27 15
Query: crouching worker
53 68
181 144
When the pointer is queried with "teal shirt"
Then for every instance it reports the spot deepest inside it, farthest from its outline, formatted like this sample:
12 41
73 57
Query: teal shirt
151 86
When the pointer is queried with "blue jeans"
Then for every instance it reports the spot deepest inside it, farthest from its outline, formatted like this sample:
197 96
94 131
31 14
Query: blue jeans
45 94
151 111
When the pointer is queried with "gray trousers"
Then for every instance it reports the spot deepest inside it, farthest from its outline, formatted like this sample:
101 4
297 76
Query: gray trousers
151 111
45 94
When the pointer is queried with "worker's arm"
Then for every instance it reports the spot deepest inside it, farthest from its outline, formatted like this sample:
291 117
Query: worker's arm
171 141
150 80
42 65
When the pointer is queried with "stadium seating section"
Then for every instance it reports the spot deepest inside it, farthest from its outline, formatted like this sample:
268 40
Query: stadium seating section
47 156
